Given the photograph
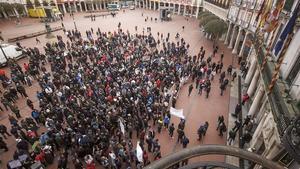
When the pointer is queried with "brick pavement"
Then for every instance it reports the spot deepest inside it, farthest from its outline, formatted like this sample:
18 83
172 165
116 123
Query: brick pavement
197 109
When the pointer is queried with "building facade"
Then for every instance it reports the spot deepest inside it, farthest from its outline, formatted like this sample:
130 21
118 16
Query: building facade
273 111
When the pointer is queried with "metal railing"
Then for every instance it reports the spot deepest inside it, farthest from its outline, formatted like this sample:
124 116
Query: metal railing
185 154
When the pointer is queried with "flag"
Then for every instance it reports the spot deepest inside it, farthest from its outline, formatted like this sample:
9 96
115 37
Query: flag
273 18
139 152
265 13
177 112
288 29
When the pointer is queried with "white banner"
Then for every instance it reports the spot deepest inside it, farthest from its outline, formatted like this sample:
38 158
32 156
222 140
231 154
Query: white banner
122 126
139 152
177 112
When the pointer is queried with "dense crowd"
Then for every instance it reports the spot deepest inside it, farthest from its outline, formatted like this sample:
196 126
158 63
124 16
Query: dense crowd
95 86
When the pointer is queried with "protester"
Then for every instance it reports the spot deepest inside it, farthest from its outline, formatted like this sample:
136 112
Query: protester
93 87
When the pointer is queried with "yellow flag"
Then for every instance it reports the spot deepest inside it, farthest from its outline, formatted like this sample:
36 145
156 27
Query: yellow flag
265 13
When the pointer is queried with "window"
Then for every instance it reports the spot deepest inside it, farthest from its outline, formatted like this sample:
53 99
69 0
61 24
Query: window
277 36
294 71
288 5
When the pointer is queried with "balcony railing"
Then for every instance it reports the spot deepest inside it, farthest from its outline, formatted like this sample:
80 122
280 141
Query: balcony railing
185 154
252 28
225 6
237 2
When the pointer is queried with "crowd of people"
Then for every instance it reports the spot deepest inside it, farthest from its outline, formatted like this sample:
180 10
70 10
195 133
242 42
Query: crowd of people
94 87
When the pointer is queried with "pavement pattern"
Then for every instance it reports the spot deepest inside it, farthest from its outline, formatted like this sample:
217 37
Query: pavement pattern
197 109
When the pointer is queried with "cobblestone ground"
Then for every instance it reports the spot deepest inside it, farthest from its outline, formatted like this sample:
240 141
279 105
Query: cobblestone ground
197 109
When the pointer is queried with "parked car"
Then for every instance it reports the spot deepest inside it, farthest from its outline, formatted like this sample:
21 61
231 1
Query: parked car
11 52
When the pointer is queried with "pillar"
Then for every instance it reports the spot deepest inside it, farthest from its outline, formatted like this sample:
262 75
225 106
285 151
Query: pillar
197 11
85 6
236 45
243 45
178 9
253 83
93 8
26 10
184 10
144 4
64 8
232 37
16 12
97 7
228 33
69 6
80 6
251 71
75 6
256 101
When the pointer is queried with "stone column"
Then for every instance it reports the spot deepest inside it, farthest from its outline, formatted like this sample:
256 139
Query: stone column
85 6
236 45
16 12
69 6
184 10
197 11
80 6
253 83
251 71
64 8
26 10
178 9
232 38
75 6
256 101
243 45
228 34
93 8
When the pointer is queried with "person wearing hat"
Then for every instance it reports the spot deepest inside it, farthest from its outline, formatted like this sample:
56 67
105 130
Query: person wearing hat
3 145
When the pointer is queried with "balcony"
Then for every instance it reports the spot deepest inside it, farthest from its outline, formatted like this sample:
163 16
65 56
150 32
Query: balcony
225 6
244 24
252 28
232 18
237 2
218 11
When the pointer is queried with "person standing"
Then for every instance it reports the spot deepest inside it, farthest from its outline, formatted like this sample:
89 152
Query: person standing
166 121
220 121
29 103
222 129
3 145
185 141
237 125
231 137
180 133
3 131
171 130
15 110
190 89
37 41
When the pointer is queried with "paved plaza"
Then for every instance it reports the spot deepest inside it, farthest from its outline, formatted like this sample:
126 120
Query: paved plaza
197 109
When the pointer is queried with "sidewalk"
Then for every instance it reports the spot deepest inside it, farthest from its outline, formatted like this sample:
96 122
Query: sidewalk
232 103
